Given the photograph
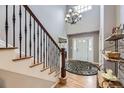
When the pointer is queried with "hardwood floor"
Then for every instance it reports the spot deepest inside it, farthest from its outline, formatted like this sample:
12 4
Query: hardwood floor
78 81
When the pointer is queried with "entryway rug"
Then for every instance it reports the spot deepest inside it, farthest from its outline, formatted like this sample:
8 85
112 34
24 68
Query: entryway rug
81 67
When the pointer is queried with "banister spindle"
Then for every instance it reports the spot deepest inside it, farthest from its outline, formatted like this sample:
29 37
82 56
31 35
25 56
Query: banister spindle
41 45
54 52
59 52
38 44
43 49
46 51
34 41
50 57
30 44
54 64
6 26
56 56
13 19
20 32
53 57
58 60
25 33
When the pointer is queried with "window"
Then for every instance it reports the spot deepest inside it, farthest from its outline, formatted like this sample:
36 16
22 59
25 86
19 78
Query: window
82 8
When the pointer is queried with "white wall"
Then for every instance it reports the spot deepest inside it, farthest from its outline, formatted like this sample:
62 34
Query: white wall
117 14
122 14
90 21
52 17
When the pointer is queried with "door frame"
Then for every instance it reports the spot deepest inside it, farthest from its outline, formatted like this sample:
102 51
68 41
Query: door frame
95 34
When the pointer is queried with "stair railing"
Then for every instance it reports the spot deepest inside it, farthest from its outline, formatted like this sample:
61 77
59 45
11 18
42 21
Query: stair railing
32 39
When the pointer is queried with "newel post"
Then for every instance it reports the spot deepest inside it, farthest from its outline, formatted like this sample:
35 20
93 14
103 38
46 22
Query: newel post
63 69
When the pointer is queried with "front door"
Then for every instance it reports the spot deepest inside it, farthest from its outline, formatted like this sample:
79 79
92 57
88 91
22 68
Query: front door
83 49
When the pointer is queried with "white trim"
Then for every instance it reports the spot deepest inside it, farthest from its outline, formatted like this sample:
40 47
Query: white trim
101 35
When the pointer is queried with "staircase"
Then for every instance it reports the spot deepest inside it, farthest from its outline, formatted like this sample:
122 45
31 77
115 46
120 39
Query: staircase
26 48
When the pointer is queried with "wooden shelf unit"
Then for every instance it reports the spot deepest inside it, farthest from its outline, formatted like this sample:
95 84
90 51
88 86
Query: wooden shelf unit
115 38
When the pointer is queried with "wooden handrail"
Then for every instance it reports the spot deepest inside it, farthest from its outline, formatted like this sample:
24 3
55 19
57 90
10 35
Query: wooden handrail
40 24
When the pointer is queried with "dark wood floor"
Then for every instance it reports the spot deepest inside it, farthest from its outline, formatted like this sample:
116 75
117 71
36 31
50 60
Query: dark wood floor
78 81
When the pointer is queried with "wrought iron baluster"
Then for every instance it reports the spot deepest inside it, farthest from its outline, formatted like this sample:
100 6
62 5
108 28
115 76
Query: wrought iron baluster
37 43
50 57
34 41
30 44
41 45
54 53
43 49
25 33
20 33
58 60
13 19
56 56
6 26
46 52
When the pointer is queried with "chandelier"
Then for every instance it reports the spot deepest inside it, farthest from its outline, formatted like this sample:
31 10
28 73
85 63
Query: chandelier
73 16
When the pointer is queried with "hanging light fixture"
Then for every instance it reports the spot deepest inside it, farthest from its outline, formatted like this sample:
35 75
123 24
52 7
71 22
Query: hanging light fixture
72 16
